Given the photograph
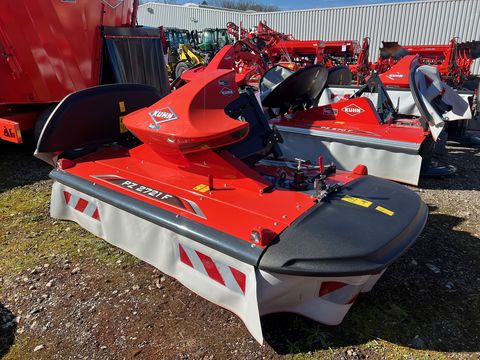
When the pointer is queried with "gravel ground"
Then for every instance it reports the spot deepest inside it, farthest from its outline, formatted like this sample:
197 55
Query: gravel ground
65 294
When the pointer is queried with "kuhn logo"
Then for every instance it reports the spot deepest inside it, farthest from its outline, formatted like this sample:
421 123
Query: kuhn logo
396 76
163 115
226 92
353 110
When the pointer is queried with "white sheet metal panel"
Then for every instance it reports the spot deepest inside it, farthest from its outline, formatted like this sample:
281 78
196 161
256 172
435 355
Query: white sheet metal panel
187 17
394 160
410 23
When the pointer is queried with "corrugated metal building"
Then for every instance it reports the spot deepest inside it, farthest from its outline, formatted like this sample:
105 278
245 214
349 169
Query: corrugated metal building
422 22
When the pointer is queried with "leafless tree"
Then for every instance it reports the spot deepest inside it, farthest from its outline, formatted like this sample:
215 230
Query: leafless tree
172 2
243 5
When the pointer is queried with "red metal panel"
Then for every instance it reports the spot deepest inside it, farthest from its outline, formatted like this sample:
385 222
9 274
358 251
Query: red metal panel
52 47
356 116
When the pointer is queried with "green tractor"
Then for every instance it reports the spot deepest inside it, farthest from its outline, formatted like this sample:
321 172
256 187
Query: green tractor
210 40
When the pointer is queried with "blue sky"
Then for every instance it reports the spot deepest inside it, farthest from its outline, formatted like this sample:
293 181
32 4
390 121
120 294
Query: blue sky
312 4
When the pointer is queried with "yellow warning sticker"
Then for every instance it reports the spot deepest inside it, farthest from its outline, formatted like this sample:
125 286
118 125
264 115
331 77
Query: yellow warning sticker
385 211
121 105
123 128
357 201
201 188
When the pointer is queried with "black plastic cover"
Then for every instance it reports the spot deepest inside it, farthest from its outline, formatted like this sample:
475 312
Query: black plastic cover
303 86
134 55
274 76
392 49
92 116
261 139
339 238
339 75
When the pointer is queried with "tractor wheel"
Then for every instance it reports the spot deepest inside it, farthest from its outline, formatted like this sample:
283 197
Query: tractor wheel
181 68
41 121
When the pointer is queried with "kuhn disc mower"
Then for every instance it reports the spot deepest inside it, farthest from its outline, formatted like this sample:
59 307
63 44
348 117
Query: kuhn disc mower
461 118
201 192
365 127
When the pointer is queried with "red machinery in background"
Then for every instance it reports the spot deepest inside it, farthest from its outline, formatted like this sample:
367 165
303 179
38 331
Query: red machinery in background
52 48
243 57
285 50
453 60
238 32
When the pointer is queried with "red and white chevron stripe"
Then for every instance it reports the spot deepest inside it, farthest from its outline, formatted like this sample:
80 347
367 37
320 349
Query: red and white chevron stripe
225 275
339 292
81 205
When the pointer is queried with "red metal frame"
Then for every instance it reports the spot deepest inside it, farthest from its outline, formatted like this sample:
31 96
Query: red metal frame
243 57
236 31
362 68
453 60
285 50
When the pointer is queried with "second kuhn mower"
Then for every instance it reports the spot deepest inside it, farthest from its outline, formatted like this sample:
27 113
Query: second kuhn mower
366 127
462 117
201 192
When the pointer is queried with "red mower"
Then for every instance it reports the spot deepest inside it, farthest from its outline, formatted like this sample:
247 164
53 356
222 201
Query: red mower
462 121
202 192
364 127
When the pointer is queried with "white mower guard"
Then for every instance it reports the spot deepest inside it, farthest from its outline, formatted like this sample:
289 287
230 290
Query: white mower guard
326 300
